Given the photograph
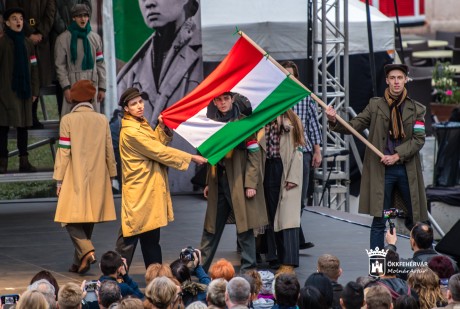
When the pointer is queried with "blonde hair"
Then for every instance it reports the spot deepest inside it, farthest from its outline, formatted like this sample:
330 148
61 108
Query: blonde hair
222 269
130 303
157 270
425 282
329 265
70 296
161 292
32 300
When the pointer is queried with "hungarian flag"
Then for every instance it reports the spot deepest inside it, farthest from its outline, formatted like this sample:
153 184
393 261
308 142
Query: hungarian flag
246 70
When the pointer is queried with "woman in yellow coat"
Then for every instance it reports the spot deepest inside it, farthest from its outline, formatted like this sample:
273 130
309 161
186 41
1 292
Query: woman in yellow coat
146 201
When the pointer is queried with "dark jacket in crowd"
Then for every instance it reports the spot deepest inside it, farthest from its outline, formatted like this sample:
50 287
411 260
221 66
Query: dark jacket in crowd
127 287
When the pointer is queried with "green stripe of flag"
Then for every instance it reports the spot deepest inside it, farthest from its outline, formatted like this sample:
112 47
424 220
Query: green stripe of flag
281 99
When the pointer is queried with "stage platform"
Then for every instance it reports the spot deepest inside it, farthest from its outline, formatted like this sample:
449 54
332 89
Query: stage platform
31 241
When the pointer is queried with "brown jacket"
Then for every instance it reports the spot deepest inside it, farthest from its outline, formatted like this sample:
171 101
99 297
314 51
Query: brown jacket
376 118
39 18
85 168
15 112
243 170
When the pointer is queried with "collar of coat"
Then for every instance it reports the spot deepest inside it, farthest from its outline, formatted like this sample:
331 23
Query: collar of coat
87 104
408 109
131 121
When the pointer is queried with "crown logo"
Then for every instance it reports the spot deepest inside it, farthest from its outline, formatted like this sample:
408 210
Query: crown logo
377 251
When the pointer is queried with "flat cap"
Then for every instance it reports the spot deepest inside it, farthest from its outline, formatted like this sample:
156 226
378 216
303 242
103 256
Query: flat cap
82 91
11 11
396 66
79 9
130 94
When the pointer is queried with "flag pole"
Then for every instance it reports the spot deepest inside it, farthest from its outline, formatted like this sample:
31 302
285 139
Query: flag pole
313 96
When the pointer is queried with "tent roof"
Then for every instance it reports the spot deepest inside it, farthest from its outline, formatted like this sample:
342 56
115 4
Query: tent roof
281 29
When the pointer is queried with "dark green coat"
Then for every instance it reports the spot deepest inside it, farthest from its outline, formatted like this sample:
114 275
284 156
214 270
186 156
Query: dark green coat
376 118
15 112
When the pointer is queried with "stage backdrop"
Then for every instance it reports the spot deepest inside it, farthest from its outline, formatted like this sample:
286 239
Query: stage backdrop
159 51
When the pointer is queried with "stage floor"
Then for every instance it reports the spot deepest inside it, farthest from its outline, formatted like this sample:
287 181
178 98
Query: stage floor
31 241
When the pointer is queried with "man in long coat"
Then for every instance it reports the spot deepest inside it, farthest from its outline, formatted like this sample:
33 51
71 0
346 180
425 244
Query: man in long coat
19 86
146 201
85 164
38 21
234 185
88 62
396 127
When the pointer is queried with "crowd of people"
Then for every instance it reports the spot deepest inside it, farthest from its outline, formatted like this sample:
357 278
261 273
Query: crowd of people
185 284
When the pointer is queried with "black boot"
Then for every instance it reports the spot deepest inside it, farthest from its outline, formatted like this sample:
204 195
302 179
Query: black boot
25 166
36 125
3 165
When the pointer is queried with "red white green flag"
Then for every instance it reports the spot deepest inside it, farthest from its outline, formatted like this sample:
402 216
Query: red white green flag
247 71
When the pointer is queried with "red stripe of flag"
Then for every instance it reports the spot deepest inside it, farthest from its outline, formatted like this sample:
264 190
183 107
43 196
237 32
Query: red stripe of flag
67 139
236 65
419 122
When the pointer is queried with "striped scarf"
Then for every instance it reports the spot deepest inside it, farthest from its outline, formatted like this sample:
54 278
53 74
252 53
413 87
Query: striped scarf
396 123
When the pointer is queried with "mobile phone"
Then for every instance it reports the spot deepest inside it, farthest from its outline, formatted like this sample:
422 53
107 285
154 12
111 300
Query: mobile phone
91 286
9 300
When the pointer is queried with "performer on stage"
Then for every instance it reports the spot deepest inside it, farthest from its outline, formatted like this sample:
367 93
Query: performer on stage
146 202
396 127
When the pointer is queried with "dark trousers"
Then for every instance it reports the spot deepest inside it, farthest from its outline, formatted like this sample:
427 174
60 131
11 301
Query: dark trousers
307 156
210 241
21 141
150 246
80 234
283 245
395 176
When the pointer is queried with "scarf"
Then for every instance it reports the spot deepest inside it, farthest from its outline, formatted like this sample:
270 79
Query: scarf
20 83
396 123
233 114
81 33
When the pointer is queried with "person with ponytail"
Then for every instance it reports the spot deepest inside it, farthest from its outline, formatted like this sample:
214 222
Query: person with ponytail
396 126
78 55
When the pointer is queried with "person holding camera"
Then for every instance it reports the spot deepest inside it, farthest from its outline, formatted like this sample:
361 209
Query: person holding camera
113 268
396 126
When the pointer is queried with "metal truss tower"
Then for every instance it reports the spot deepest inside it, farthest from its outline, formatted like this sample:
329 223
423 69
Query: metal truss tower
330 80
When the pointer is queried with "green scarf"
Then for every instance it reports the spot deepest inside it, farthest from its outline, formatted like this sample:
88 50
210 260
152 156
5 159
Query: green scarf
20 83
81 33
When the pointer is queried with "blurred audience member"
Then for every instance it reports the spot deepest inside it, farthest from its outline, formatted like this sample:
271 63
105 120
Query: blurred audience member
287 289
158 270
266 290
442 266
109 293
352 296
396 286
311 298
161 293
378 297
425 282
238 293
197 305
215 295
453 292
191 291
47 289
32 299
222 269
130 303
70 296
329 265
323 284
44 274
406 302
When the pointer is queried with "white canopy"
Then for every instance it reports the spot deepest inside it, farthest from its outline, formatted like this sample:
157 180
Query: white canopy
280 27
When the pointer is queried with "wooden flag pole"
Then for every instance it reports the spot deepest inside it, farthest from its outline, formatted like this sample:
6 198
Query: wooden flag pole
313 96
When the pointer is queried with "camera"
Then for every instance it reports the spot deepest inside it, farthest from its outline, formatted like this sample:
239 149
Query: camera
187 254
9 300
393 213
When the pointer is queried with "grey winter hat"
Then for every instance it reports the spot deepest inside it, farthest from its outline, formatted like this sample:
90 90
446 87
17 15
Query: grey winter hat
267 278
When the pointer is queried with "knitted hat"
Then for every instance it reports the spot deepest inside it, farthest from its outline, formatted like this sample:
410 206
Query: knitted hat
11 11
267 281
130 94
80 9
82 91
396 66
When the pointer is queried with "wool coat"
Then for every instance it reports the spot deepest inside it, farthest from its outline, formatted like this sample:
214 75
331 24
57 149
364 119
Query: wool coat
68 73
244 170
39 18
288 211
146 201
376 118
85 168
15 112
180 73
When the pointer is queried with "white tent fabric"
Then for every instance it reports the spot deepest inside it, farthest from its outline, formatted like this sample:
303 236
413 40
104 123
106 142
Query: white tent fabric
281 27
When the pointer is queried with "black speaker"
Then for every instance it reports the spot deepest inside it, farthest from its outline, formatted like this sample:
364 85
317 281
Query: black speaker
450 243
